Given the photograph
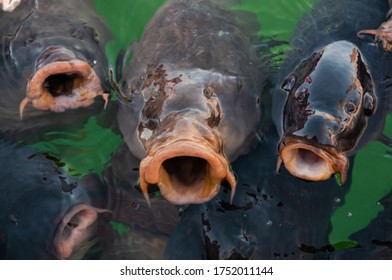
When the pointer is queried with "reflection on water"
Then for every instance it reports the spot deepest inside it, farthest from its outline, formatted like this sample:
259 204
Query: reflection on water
271 216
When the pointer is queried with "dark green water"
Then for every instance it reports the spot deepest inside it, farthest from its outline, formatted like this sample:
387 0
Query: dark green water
88 149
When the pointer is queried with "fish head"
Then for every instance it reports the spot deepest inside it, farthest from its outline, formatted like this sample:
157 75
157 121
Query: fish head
192 123
330 97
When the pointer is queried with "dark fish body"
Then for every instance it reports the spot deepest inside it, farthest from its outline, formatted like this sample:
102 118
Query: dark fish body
44 214
195 88
53 59
334 94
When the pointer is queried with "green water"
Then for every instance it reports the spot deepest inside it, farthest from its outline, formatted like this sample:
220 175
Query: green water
88 149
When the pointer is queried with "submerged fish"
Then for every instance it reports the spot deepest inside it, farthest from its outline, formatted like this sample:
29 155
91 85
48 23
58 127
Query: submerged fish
64 214
53 57
332 93
195 91
44 214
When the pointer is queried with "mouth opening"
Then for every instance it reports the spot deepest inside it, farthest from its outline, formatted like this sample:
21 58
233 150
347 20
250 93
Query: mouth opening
312 163
63 85
186 172
307 163
75 228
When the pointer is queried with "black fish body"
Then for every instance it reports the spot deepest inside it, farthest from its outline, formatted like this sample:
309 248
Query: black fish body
53 59
195 89
334 94
44 214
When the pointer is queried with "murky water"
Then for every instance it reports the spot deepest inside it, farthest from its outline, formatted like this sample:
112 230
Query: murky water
300 220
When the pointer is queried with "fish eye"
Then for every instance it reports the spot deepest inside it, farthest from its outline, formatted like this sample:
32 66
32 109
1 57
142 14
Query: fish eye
350 107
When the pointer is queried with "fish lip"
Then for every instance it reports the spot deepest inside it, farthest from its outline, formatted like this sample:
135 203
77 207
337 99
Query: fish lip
66 238
153 171
82 94
311 161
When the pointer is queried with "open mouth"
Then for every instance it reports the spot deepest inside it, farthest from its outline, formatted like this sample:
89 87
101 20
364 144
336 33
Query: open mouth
310 162
186 172
77 226
63 85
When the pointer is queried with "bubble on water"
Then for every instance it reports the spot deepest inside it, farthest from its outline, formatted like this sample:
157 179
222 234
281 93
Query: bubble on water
349 214
269 223
337 200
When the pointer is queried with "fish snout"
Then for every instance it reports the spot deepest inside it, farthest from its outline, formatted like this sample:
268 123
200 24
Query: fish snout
188 166
320 127
78 226
310 161
61 82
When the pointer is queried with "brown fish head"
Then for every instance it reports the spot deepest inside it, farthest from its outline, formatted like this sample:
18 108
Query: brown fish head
61 81
330 97
186 130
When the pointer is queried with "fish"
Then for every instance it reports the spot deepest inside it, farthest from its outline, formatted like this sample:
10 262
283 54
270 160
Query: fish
334 97
77 210
53 59
191 98
44 213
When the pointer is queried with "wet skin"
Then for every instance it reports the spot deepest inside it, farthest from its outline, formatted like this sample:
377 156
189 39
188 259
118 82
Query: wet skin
333 94
53 59
329 99
282 217
45 214
76 211
195 89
